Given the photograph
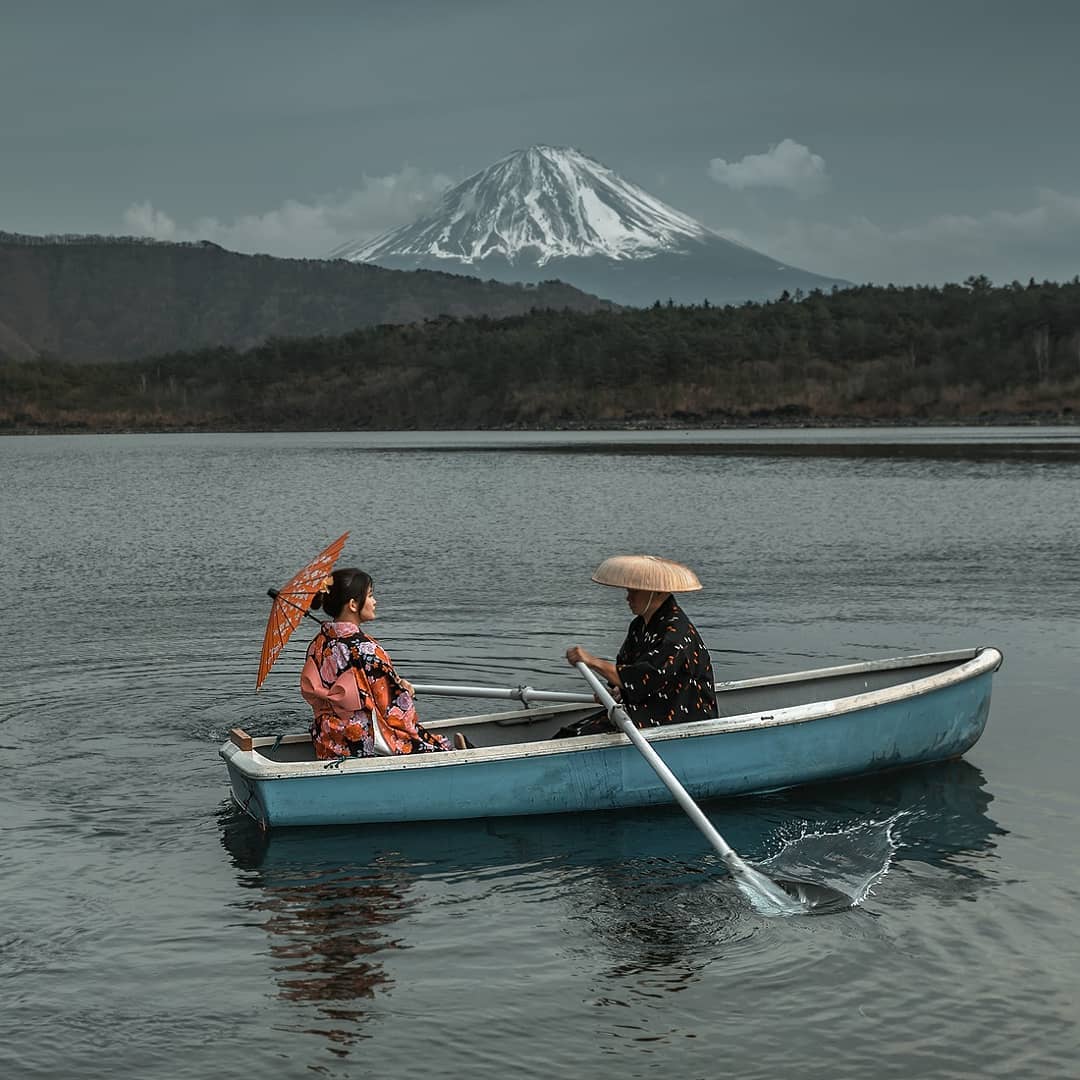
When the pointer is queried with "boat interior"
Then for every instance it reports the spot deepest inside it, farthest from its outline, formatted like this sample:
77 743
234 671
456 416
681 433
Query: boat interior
764 695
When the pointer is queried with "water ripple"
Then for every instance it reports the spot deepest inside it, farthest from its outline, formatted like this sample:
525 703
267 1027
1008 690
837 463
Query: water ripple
163 936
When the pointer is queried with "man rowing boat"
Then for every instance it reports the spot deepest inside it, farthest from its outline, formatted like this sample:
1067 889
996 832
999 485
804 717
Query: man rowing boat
663 673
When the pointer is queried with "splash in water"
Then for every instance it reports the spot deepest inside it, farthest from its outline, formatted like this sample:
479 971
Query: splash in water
828 871
766 896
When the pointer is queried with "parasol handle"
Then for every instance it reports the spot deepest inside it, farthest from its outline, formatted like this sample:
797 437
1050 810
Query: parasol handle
273 594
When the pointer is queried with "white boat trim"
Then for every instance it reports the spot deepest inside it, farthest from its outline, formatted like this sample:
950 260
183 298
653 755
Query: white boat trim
891 664
977 662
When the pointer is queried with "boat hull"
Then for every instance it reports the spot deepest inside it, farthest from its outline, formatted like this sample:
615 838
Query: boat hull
803 744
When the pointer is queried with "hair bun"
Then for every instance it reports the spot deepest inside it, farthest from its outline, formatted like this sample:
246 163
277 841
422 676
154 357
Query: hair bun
341 587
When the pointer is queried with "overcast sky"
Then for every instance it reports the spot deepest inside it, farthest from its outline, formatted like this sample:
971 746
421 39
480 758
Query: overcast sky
906 142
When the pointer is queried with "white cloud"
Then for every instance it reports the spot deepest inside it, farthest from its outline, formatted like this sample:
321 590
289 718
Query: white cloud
143 220
305 230
788 165
1040 241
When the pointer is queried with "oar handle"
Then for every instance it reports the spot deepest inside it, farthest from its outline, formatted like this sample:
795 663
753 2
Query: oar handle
682 796
524 694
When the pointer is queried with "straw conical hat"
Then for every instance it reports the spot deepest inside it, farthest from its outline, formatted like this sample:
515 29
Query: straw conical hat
646 572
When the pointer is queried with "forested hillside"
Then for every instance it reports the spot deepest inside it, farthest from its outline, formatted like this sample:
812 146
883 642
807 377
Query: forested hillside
79 299
891 354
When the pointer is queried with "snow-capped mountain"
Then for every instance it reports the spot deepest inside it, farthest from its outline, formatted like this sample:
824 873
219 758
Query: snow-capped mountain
552 212
543 203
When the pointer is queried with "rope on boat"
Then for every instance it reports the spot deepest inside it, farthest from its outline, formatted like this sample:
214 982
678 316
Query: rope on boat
251 795
253 790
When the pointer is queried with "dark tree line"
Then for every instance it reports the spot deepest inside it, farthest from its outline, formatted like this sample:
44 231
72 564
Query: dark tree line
866 353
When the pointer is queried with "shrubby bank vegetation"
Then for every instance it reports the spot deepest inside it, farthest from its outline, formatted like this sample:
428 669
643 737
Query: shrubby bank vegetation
869 354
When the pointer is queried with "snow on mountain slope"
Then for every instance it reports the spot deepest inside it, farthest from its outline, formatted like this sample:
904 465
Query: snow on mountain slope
549 202
552 212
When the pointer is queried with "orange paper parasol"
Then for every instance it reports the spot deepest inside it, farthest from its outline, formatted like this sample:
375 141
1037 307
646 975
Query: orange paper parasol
291 603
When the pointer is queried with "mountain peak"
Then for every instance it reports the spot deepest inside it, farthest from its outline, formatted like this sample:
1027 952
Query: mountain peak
538 204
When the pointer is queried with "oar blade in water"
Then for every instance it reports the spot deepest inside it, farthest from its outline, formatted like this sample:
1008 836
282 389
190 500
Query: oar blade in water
767 896
764 894
787 896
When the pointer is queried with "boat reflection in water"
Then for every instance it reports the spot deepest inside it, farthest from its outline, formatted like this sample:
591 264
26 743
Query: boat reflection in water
330 913
337 899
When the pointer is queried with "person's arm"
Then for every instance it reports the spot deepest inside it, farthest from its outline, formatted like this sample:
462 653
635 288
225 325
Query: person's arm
604 668
386 667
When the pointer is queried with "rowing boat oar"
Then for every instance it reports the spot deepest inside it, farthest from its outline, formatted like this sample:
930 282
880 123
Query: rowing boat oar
524 694
766 895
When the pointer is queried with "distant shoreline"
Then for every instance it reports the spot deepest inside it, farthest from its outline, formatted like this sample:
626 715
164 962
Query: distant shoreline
998 420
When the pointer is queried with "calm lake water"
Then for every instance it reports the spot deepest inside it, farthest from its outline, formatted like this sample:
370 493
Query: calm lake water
148 931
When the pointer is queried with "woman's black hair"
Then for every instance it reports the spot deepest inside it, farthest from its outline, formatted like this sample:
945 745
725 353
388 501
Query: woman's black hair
349 584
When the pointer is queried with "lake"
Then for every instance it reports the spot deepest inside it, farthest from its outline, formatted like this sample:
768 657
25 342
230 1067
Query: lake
148 930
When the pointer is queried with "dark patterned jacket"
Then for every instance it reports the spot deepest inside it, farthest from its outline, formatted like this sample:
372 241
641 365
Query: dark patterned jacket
665 670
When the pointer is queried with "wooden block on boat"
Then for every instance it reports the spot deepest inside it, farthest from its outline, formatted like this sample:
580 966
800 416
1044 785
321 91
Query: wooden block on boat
241 738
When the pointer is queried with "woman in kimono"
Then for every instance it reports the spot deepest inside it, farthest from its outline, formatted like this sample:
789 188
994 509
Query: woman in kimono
361 705
663 672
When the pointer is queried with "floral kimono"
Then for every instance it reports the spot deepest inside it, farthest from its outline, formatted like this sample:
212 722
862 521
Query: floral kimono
360 706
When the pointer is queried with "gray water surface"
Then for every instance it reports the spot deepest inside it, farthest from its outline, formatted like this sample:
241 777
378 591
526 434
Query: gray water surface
147 930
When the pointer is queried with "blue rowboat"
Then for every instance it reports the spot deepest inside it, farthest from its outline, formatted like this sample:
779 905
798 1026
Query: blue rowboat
945 812
773 732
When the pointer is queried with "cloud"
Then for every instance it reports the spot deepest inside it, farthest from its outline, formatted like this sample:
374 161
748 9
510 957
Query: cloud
305 230
1040 241
788 165
143 220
